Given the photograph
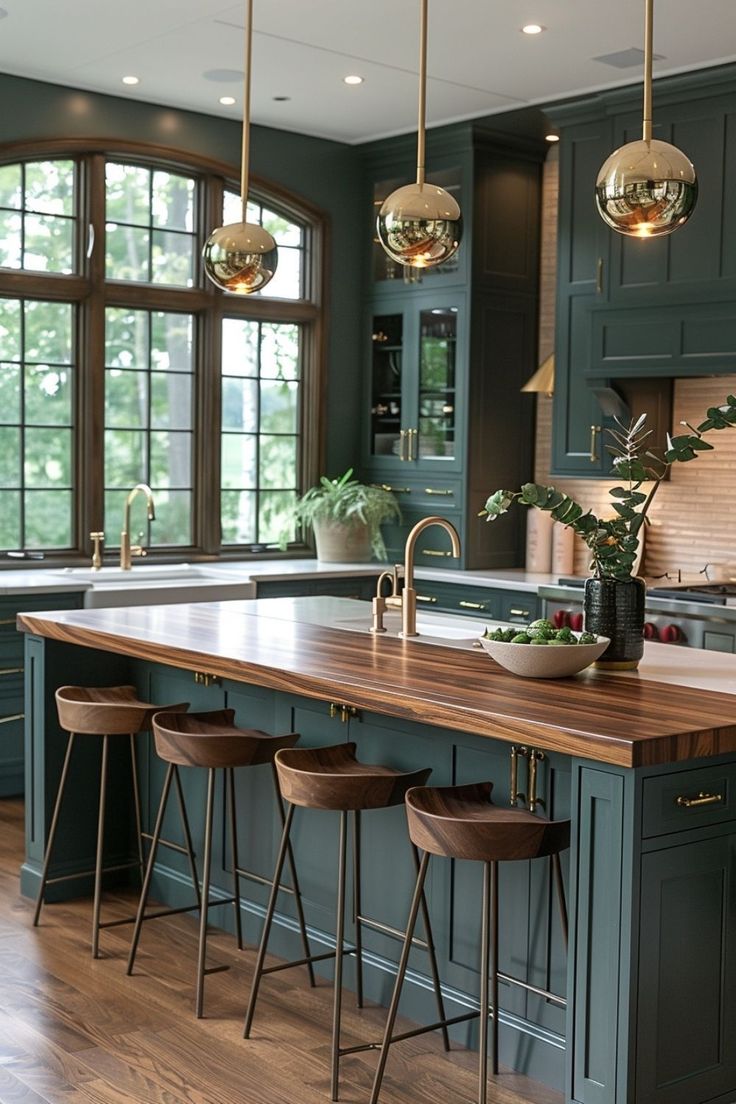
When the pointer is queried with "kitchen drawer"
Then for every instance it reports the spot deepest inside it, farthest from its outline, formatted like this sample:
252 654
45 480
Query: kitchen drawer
519 607
430 495
446 597
719 641
362 587
11 686
689 799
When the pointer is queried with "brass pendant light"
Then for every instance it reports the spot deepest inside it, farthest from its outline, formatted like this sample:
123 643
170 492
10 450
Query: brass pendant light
646 188
420 225
242 257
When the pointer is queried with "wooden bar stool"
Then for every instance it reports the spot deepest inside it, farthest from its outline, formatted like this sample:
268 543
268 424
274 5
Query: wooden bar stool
98 711
332 778
460 822
211 740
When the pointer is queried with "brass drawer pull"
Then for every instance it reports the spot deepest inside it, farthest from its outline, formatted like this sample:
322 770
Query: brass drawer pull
426 598
394 490
473 605
594 431
5 671
7 621
435 491
434 552
518 613
344 712
599 276
12 717
203 678
701 799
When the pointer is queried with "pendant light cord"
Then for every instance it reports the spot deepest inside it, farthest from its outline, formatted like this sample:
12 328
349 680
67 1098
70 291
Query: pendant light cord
246 110
422 92
648 37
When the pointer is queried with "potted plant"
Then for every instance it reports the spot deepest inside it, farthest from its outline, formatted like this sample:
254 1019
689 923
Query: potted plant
346 517
614 599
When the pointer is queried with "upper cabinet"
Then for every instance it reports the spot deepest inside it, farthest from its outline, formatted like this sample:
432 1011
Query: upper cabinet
447 350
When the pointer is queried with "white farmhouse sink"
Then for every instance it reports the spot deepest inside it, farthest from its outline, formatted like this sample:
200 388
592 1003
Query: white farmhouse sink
143 575
158 584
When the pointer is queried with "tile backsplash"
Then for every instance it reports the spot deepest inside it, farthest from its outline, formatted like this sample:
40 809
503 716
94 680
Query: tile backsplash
693 517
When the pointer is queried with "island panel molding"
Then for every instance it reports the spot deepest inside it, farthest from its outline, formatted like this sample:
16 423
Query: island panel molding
620 721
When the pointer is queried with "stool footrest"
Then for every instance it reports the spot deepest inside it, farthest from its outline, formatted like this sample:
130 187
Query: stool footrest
216 969
261 879
533 989
396 933
90 873
303 961
410 1034
166 843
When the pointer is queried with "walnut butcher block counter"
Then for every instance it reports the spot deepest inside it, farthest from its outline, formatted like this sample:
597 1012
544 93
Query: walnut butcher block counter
626 721
642 763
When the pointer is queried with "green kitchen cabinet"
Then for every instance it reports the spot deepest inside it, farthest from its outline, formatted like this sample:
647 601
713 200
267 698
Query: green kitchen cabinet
12 709
447 351
359 586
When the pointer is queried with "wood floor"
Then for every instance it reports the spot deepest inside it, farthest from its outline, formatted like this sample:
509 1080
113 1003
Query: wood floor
74 1031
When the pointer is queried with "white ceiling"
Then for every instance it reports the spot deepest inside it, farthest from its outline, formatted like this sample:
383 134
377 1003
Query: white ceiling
479 62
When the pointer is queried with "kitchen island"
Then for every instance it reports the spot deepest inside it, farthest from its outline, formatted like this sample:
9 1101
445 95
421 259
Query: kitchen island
644 765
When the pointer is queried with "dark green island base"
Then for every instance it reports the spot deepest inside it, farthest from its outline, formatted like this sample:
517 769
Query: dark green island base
650 975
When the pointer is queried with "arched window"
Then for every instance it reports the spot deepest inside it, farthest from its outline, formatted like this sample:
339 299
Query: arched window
120 363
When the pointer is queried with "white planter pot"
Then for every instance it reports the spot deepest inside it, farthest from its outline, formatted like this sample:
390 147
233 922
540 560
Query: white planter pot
338 543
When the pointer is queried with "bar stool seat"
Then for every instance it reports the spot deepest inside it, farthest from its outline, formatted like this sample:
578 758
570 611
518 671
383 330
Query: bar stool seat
460 822
212 741
332 778
101 711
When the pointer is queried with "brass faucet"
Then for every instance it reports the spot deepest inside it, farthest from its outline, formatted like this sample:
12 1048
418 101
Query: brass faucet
393 599
126 549
408 599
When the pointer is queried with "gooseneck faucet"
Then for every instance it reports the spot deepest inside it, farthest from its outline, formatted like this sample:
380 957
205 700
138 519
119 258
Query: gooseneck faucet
409 594
126 550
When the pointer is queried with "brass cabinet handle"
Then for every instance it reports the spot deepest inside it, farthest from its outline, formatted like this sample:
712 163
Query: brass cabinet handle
701 799
518 613
395 490
413 437
203 678
426 598
402 444
344 712
434 552
5 671
599 276
594 431
12 717
434 491
473 605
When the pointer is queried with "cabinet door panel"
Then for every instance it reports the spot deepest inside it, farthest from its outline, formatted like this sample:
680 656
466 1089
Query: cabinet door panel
686 1038
577 448
695 254
583 235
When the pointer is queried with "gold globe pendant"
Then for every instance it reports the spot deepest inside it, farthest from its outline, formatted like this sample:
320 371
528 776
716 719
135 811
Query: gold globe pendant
241 257
646 189
420 225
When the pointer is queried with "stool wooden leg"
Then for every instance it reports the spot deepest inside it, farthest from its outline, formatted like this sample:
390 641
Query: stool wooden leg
357 911
100 850
432 959
187 836
494 961
484 967
137 801
140 915
204 908
560 886
230 778
294 881
52 829
403 963
258 970
339 953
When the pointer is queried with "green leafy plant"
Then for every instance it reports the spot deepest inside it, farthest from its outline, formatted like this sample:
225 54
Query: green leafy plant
346 501
613 542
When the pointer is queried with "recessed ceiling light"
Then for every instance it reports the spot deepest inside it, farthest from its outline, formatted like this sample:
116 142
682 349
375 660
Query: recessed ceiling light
227 101
131 80
353 79
533 28
551 137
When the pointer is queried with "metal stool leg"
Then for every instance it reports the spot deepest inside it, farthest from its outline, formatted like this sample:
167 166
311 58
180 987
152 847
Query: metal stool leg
187 836
100 850
294 881
357 911
137 802
204 909
339 953
230 778
403 963
432 958
560 886
483 1022
149 868
258 970
52 829
494 954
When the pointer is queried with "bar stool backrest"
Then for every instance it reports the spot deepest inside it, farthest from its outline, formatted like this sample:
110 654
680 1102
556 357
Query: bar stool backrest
212 740
457 822
105 710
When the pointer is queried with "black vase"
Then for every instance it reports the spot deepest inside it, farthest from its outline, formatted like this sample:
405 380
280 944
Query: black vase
615 608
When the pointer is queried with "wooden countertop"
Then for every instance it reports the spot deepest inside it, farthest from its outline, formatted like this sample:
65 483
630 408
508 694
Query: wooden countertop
624 721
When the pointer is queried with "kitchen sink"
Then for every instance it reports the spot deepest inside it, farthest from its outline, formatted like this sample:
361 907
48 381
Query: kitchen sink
158 584
452 632
142 575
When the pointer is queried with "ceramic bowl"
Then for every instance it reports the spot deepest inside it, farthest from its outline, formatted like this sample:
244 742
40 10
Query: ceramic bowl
544 661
